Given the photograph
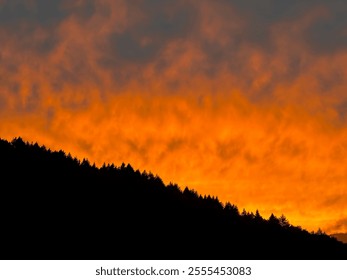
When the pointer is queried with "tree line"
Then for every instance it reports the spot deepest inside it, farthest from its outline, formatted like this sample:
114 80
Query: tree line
55 206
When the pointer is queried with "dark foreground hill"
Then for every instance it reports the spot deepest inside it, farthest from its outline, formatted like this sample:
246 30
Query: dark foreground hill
54 206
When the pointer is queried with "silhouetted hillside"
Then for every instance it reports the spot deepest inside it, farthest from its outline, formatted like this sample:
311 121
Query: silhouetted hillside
54 206
340 236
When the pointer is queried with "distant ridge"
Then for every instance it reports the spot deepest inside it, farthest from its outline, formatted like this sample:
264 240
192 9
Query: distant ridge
54 206
340 236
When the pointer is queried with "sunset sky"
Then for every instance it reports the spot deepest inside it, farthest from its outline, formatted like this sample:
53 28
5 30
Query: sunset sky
245 100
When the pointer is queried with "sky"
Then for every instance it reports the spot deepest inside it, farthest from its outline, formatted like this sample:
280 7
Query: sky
244 100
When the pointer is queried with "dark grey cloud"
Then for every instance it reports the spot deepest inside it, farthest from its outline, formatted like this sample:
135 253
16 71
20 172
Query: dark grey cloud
269 11
39 11
325 35
153 24
22 20
84 9
328 35
128 48
145 38
168 19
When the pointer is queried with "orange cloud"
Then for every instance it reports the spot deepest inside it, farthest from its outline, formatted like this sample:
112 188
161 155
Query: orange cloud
192 93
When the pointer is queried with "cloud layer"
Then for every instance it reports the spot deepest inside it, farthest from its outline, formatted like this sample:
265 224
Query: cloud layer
239 99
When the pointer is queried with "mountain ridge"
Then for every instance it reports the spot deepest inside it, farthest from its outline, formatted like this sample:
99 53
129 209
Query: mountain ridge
59 207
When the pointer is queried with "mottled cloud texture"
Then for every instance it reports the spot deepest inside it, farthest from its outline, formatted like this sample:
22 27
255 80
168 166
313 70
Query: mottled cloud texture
246 100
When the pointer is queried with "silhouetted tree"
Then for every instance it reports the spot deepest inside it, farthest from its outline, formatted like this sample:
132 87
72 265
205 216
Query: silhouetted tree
258 218
231 209
273 220
283 221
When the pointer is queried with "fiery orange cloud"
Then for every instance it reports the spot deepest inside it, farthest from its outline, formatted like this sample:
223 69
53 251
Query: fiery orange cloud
191 94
